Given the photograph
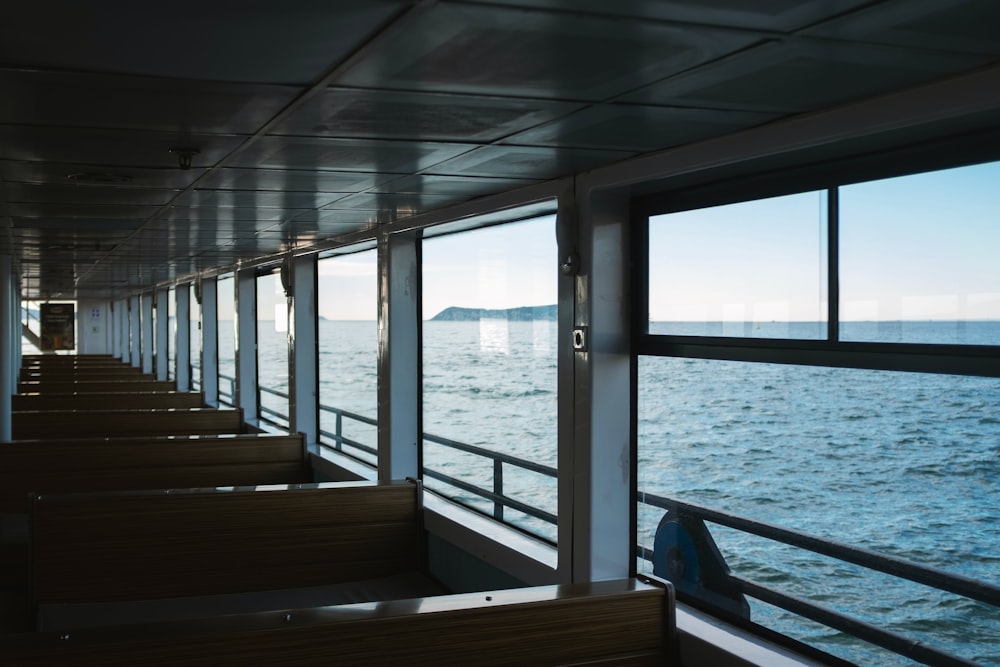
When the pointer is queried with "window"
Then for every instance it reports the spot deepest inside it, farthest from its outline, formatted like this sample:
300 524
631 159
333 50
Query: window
272 350
752 269
919 258
226 287
489 371
348 354
776 478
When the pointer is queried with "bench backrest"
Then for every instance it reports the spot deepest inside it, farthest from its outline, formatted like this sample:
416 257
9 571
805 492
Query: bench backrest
72 424
134 546
66 466
104 400
620 622
140 383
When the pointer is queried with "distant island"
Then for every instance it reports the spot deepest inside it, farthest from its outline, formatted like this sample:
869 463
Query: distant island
521 314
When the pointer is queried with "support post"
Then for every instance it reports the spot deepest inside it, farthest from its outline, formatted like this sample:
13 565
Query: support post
210 341
398 356
162 333
135 336
147 333
245 312
303 350
182 341
8 321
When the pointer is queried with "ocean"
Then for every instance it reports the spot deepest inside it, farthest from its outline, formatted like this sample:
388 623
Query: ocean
904 464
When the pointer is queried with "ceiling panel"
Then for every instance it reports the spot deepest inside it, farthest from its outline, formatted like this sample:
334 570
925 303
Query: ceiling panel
112 148
512 52
515 161
295 180
408 203
93 174
83 194
465 186
139 103
257 199
795 76
964 26
262 42
638 128
343 112
346 154
769 15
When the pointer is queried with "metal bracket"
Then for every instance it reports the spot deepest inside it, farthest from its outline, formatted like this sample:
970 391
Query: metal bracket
581 339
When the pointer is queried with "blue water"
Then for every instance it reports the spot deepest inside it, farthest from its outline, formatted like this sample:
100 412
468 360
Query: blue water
901 463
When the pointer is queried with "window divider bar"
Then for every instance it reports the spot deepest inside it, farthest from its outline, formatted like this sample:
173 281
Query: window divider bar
833 264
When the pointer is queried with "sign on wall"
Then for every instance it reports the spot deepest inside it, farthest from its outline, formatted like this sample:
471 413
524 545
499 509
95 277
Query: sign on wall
57 320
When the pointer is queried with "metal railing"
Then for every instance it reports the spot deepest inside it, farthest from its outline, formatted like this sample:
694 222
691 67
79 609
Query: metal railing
891 565
227 397
270 414
494 495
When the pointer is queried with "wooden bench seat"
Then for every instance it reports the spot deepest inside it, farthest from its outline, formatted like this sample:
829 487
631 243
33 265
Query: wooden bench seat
622 622
104 400
43 424
120 464
107 547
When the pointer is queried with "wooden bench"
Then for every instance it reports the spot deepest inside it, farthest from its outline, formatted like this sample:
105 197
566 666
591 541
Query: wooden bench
93 552
622 622
140 383
104 400
73 372
43 424
120 464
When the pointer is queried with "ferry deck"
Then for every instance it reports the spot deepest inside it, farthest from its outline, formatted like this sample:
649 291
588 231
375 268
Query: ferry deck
167 159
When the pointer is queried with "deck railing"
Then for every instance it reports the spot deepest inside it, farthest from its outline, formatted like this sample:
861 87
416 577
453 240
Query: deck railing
269 414
898 567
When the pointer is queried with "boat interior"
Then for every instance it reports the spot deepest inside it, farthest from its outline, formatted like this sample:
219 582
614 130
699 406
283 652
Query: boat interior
164 159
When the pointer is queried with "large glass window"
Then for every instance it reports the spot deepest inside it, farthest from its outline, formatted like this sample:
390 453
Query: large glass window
272 349
752 269
919 258
489 371
788 491
226 287
348 354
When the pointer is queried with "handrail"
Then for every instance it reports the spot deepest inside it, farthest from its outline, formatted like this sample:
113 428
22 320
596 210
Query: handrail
892 565
281 419
497 496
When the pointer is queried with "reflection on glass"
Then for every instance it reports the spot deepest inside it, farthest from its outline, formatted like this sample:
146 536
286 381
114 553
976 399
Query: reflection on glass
226 304
919 258
900 463
348 354
753 269
272 349
489 366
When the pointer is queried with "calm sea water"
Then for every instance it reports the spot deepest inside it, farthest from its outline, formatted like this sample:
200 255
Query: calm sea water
901 463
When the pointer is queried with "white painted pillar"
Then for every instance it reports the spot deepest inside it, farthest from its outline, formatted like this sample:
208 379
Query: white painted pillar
245 312
135 332
210 341
182 341
8 320
147 332
303 350
398 352
602 469
162 333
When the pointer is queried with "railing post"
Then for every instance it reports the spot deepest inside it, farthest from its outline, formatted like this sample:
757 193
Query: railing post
339 430
498 489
